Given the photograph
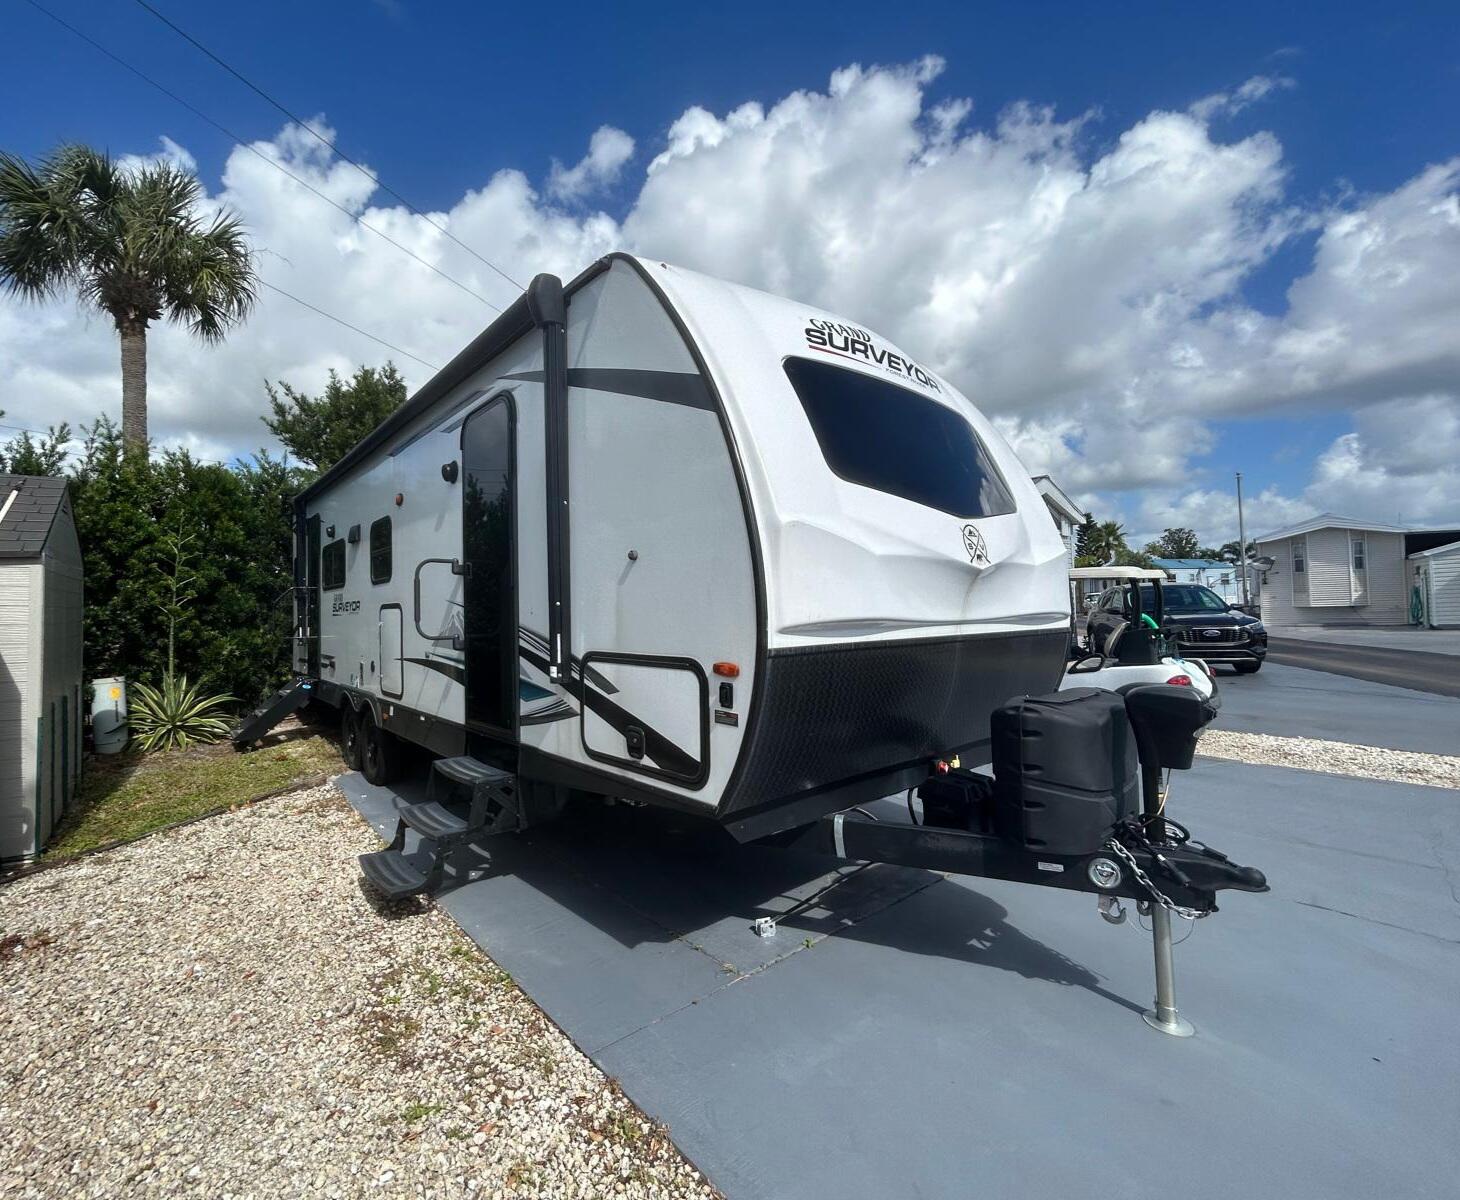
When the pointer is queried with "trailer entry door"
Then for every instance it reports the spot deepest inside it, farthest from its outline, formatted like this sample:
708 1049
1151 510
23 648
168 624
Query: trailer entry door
489 542
306 597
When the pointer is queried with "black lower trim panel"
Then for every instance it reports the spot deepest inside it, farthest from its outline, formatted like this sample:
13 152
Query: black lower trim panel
839 724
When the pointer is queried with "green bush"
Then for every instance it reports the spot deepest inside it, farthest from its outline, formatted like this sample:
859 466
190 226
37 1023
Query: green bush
129 511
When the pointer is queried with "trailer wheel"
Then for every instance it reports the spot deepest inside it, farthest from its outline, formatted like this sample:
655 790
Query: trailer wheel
379 751
350 736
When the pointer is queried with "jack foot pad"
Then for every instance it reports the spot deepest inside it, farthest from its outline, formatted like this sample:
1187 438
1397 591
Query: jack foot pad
1177 1026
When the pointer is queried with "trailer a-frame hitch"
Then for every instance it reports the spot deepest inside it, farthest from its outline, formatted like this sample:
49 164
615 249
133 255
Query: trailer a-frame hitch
1145 857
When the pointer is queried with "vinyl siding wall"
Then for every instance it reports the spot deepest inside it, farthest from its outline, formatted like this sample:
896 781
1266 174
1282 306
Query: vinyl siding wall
60 690
40 691
20 587
1335 594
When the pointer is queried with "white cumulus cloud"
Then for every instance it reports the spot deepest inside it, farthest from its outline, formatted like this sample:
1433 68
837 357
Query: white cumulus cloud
1083 284
608 150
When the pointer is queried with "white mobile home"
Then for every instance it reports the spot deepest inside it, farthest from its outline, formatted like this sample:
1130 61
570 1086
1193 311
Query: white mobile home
1065 513
40 661
1220 577
1334 570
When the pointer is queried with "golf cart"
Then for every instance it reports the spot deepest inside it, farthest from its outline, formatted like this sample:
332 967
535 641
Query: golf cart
1132 646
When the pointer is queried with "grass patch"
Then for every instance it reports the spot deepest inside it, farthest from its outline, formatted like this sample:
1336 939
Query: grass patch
126 795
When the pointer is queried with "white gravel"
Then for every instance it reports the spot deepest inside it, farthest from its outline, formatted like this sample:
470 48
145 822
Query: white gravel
222 1011
1336 758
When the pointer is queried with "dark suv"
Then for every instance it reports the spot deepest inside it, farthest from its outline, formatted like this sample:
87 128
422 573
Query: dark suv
1196 621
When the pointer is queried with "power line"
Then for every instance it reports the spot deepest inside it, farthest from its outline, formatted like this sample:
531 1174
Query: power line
340 321
375 179
278 166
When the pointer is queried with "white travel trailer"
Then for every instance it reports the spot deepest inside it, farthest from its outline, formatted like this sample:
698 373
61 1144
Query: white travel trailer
659 537
751 560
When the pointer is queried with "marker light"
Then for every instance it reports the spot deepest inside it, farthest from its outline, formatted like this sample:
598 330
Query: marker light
728 669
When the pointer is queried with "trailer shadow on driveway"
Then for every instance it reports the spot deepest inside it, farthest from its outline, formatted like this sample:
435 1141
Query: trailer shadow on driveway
867 1051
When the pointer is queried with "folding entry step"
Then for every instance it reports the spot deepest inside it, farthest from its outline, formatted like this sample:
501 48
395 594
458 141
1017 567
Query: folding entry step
477 801
289 699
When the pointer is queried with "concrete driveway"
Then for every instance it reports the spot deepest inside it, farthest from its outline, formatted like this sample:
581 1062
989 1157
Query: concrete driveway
916 1035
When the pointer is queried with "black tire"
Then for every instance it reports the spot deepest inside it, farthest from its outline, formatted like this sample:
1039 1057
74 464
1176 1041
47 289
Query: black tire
1249 668
379 752
350 736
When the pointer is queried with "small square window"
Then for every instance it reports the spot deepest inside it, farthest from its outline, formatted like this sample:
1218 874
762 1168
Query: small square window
380 551
332 565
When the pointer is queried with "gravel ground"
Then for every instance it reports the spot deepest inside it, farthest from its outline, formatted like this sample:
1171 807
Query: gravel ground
222 1011
1336 758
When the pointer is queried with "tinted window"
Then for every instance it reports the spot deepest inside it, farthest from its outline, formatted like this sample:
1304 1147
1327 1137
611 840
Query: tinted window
380 551
490 590
887 437
1184 598
332 565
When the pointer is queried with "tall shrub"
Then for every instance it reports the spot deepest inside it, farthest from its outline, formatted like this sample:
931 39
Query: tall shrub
235 637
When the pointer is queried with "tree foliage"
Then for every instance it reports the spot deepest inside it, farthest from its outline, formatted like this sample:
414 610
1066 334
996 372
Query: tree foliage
319 430
235 637
132 242
1175 543
24 455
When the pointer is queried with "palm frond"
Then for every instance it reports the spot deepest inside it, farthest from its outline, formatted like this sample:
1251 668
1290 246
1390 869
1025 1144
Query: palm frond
135 243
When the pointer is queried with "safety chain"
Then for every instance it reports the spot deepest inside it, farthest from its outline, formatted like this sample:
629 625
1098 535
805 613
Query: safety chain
1190 914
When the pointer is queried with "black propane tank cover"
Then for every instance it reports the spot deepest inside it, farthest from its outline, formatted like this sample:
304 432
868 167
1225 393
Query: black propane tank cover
1167 719
1065 770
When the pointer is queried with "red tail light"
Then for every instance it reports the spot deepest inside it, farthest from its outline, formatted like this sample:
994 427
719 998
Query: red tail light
1180 680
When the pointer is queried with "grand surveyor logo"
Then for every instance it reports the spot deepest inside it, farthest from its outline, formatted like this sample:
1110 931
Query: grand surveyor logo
847 341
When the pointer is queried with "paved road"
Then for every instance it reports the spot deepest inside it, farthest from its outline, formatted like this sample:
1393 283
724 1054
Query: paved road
1424 672
1293 702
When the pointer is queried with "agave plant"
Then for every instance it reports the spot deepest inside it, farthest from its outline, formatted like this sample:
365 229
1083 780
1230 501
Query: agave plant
177 714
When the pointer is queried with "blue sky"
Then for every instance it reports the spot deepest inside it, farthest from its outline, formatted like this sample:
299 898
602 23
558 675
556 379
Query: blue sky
439 97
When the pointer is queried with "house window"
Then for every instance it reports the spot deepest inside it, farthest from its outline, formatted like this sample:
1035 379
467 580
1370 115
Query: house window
1358 547
1300 557
332 565
380 551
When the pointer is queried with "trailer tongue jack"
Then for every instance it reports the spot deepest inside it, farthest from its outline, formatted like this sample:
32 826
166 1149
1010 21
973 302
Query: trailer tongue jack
1059 812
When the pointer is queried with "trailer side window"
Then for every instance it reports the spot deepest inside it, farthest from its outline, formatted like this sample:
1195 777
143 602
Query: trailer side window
890 438
380 550
332 565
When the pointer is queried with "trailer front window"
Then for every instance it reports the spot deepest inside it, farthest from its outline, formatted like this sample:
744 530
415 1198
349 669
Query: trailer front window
879 435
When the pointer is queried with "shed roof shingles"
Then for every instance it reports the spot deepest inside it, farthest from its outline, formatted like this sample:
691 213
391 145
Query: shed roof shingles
28 522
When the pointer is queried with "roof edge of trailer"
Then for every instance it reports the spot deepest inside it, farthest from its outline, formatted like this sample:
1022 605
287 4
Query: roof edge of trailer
524 314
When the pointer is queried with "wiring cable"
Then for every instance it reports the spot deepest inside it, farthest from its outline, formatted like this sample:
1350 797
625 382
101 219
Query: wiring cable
257 153
257 90
273 287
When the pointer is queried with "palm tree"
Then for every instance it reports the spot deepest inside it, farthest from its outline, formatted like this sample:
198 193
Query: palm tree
129 241
1106 541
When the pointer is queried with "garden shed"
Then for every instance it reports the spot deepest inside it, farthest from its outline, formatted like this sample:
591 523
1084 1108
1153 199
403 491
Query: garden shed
40 661
1436 575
